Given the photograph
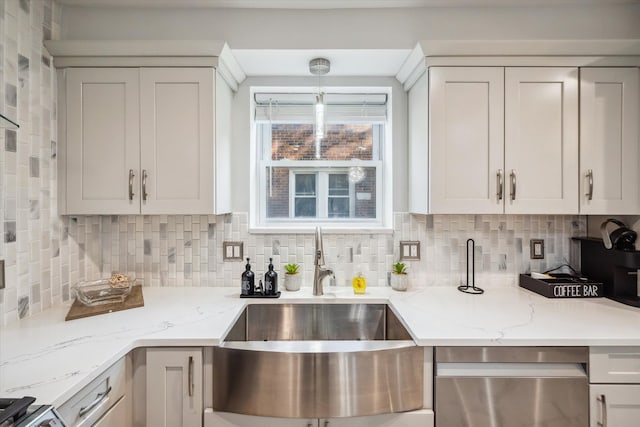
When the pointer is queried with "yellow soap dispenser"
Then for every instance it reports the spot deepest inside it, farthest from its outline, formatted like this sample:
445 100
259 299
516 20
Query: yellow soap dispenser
359 284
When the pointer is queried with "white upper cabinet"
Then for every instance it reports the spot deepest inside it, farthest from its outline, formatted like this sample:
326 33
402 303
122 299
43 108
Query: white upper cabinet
503 140
144 141
609 144
467 139
102 141
176 140
541 140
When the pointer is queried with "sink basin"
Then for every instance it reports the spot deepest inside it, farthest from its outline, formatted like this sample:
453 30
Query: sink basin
317 361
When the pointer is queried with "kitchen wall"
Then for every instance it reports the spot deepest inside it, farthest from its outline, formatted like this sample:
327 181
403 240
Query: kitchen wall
390 28
46 253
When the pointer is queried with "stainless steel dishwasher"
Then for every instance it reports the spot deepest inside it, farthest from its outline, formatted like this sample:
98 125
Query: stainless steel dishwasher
511 387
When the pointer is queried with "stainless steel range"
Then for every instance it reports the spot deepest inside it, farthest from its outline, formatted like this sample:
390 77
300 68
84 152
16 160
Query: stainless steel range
21 412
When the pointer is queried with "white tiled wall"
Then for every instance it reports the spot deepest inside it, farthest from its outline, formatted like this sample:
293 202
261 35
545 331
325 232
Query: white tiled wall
46 254
40 258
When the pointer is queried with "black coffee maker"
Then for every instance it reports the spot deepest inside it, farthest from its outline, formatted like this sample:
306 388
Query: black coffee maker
616 268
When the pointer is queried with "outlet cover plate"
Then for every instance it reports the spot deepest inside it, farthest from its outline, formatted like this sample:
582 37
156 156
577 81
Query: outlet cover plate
409 250
537 248
232 251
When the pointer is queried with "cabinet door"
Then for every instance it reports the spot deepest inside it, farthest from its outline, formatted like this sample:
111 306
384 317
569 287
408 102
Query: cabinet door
174 387
116 416
541 140
614 405
467 139
609 153
227 419
102 141
420 418
176 130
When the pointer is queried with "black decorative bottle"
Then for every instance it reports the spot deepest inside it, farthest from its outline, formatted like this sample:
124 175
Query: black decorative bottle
270 280
248 280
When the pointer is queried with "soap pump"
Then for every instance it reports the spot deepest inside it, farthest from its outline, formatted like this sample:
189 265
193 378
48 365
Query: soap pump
248 280
270 280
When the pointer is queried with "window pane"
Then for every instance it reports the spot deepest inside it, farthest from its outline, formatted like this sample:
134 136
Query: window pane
305 207
277 180
305 184
338 185
342 142
338 207
365 190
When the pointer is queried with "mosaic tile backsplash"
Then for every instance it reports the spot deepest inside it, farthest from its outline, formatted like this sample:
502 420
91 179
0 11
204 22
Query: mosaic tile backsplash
187 250
46 254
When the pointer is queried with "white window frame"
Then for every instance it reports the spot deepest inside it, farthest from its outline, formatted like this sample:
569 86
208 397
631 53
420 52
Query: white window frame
322 191
258 223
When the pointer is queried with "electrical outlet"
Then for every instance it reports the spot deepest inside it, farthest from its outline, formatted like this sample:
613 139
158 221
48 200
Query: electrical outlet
232 251
409 250
2 274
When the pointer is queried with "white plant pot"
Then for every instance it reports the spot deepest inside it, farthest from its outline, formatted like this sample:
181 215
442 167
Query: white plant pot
399 282
292 282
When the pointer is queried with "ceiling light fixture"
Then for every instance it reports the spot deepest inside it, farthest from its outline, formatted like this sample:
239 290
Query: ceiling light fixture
319 67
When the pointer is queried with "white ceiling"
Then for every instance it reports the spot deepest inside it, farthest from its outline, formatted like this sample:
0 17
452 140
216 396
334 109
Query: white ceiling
333 4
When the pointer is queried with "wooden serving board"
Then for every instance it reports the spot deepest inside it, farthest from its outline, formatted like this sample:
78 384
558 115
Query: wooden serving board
79 310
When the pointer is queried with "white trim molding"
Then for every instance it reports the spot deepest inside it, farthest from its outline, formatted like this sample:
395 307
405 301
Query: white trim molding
148 53
574 53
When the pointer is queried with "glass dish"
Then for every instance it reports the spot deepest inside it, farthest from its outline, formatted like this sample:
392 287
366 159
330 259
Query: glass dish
101 291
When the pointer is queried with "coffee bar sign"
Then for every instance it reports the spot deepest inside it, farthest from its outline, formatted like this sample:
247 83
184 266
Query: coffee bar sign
563 286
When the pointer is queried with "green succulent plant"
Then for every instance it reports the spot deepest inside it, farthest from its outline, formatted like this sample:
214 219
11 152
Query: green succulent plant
292 268
400 268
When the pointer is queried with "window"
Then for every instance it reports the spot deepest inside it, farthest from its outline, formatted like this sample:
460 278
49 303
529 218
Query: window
333 176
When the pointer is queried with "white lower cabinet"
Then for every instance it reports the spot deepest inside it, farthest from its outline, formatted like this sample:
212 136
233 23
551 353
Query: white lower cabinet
614 405
174 393
419 418
104 402
614 392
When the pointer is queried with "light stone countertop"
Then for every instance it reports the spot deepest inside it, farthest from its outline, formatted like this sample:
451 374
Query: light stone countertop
45 357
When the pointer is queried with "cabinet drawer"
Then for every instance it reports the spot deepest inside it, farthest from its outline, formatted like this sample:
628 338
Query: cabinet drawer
94 400
614 364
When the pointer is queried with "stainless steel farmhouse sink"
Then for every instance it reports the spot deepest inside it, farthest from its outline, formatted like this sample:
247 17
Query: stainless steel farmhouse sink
317 361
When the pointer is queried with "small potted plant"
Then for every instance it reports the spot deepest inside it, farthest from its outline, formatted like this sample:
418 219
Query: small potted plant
399 277
292 277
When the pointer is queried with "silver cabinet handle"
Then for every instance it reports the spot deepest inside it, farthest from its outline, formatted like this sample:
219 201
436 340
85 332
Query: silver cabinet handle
589 193
190 376
500 184
99 398
131 175
144 185
603 403
512 175
326 423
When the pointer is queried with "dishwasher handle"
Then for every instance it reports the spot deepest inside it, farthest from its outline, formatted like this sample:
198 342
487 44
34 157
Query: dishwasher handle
511 370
